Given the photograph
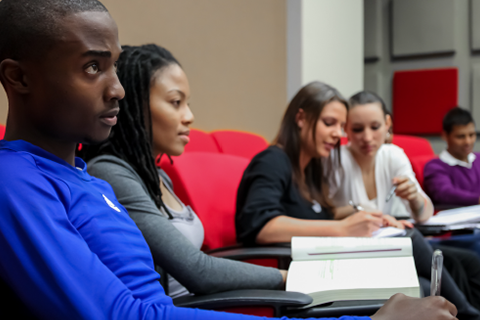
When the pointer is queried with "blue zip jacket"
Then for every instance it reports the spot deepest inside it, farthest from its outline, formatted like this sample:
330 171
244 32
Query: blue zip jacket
69 250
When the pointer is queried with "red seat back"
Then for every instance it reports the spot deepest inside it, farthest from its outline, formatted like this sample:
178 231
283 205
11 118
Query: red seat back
242 144
418 164
208 182
413 146
2 131
201 141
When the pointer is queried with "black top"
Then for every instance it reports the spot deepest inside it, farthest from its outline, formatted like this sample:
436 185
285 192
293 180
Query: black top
266 191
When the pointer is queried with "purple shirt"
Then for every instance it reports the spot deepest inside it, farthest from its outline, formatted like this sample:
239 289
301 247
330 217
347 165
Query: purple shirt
452 185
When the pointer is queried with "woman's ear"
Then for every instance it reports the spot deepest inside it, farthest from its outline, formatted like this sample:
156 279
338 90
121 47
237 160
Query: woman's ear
388 122
300 118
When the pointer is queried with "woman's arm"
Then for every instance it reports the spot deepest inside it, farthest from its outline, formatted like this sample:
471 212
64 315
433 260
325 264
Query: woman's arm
198 272
340 213
420 205
283 228
408 188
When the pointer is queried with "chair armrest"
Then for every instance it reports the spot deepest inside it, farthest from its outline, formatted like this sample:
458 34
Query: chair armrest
338 309
245 298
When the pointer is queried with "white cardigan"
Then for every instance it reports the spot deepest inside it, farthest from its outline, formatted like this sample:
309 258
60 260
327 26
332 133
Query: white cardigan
390 161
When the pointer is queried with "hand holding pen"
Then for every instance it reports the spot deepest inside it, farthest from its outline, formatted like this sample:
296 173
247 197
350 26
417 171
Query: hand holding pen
404 188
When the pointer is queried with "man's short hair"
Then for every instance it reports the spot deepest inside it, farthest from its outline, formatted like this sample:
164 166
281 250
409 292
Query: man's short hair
29 27
456 117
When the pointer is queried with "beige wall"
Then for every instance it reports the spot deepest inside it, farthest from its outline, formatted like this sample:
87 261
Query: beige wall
234 53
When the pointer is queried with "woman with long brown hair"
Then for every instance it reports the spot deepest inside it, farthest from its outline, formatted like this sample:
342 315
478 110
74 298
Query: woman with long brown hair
283 193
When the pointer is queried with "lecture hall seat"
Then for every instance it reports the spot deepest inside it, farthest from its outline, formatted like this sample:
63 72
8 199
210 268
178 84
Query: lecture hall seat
239 143
201 141
208 182
413 146
418 150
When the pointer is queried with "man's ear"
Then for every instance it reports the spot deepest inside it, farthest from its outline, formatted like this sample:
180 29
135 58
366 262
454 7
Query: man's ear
13 76
300 118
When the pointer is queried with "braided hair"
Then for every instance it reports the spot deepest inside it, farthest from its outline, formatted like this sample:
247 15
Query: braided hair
131 139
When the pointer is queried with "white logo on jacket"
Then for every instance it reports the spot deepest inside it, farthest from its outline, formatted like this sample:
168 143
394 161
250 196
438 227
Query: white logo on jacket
110 204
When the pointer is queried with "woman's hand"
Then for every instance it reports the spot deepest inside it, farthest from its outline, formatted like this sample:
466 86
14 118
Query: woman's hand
406 189
361 224
389 221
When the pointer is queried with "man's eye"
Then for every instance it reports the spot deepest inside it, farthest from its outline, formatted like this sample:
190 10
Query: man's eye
115 66
176 103
93 69
357 130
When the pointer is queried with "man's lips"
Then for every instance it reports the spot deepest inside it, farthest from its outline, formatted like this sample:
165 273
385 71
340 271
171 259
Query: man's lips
110 117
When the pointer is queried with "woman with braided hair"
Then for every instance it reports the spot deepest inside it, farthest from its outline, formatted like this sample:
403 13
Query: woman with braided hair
154 120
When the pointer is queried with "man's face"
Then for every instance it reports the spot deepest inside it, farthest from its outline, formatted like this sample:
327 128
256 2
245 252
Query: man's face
461 140
74 86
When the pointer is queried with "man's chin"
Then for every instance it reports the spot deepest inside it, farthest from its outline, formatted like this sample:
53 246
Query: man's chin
95 140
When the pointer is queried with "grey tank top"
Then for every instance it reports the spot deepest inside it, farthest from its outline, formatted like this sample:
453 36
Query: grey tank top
187 222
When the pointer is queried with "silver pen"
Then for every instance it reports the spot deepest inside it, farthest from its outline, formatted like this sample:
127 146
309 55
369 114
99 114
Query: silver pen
437 266
392 192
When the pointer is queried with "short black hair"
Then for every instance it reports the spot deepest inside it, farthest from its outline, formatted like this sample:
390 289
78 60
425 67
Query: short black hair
29 27
456 117
365 97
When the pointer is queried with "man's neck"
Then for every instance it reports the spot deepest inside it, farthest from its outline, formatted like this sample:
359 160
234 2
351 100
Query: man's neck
458 157
62 149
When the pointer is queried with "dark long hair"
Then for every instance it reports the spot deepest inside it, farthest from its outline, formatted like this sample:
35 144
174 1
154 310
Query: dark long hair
131 139
312 98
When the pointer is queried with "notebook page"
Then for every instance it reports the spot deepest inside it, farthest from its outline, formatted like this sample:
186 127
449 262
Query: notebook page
314 276
325 248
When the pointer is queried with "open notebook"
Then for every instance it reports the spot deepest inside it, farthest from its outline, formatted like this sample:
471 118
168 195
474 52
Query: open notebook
334 269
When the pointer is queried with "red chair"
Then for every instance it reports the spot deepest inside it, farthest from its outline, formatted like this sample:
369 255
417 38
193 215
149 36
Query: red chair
208 182
413 146
242 144
2 131
201 141
418 150
418 164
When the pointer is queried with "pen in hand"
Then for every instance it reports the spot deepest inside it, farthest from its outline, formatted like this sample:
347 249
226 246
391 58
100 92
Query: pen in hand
437 266
392 192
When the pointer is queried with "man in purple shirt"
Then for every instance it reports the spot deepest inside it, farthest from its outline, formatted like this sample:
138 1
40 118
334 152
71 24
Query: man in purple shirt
454 178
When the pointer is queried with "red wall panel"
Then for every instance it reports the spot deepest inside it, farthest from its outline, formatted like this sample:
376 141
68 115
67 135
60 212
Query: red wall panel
421 98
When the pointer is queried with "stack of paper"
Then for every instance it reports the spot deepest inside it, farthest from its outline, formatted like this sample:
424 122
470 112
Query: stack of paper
455 219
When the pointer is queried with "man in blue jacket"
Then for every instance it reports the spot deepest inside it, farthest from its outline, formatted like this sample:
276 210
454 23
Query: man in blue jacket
68 249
